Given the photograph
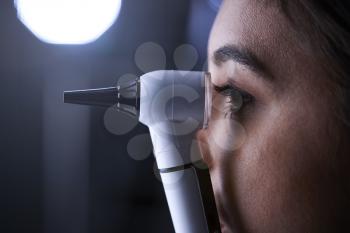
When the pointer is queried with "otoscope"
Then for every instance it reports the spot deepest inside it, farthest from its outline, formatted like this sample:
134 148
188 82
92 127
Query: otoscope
174 105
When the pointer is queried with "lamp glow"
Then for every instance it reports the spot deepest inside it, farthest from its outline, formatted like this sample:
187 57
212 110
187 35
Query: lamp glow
68 21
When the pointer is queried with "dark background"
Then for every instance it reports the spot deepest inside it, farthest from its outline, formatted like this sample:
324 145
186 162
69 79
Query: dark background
60 169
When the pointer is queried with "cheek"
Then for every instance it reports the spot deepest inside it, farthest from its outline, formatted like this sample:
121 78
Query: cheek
226 137
277 168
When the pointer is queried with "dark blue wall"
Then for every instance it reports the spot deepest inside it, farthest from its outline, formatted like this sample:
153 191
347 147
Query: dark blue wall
60 169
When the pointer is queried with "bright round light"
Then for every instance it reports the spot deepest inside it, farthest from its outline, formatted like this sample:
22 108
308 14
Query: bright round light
68 21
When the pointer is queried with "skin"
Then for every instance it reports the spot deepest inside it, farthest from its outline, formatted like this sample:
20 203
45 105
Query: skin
277 165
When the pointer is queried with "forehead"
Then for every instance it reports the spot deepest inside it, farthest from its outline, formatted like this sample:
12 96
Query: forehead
250 22
256 25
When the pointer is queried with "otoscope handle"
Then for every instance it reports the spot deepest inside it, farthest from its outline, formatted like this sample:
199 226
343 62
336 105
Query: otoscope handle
190 199
175 105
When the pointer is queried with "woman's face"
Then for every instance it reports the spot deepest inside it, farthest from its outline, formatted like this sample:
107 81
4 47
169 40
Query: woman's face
273 161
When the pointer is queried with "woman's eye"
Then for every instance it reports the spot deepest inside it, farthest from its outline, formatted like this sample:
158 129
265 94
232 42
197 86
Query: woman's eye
235 99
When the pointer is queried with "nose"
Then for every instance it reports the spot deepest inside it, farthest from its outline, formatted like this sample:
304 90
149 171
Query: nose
202 137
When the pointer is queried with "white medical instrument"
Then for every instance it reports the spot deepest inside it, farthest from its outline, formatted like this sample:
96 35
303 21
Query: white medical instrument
174 105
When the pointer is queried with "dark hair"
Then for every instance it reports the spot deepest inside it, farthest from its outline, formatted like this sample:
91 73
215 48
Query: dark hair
326 24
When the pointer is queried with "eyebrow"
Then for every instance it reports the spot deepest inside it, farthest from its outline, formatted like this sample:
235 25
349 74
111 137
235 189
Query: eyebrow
243 56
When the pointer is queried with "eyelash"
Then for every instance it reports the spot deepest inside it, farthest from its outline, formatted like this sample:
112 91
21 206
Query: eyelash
231 92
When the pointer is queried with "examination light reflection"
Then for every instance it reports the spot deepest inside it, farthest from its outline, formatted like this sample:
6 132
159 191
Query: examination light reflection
68 21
